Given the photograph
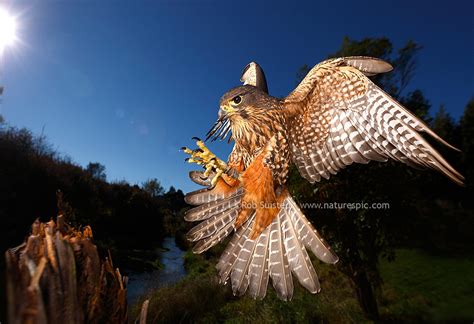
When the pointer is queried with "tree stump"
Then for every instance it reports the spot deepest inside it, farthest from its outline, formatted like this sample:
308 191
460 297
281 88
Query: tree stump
57 276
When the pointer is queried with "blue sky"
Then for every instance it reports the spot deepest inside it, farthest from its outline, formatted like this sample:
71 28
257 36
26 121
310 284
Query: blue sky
128 83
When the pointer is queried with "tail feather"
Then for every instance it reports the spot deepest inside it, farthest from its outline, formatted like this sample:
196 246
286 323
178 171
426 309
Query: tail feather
277 253
308 235
231 253
213 208
212 225
204 196
239 275
298 258
258 270
210 241
279 269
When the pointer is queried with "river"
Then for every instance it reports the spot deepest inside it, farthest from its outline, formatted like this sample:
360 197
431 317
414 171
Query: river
141 283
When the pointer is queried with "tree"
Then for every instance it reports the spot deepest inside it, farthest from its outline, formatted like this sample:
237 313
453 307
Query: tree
96 170
361 237
466 126
376 47
418 104
153 187
405 65
444 125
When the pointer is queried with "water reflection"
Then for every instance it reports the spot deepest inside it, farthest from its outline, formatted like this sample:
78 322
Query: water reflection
141 283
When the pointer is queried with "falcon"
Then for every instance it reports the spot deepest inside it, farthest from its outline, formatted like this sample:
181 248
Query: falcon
336 116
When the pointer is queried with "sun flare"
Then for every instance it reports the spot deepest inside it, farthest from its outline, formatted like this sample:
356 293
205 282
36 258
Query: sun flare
8 26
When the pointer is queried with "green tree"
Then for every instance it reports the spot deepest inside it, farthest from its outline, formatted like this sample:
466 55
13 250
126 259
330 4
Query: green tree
405 65
377 47
466 125
443 124
361 237
418 104
96 170
153 187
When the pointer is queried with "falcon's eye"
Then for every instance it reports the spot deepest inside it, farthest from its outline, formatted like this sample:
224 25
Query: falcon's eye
236 100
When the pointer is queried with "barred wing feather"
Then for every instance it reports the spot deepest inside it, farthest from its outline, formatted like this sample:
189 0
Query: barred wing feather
339 116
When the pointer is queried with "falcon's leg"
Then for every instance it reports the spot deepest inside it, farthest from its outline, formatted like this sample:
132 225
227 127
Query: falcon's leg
259 196
211 163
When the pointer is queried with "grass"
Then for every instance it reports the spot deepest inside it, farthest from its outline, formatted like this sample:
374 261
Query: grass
440 287
417 288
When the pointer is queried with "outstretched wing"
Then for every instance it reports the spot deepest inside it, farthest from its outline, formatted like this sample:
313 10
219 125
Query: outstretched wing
253 75
339 116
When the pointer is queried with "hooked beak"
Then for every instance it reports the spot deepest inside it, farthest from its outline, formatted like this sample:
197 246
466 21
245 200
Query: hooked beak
221 127
221 113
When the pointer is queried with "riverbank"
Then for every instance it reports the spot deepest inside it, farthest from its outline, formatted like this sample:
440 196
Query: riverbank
168 269
417 287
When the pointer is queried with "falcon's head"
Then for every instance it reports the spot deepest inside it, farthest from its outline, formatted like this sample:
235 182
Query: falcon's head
242 105
240 101
239 107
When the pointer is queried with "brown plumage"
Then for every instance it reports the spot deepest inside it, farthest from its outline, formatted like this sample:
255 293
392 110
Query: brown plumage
336 116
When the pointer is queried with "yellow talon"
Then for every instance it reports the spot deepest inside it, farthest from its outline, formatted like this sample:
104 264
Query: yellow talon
191 160
202 146
211 163
219 173
187 151
209 168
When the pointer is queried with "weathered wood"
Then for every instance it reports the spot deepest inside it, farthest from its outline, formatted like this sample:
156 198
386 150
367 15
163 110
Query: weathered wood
57 276
144 312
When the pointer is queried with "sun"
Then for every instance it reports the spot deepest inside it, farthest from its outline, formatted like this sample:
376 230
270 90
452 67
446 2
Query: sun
7 29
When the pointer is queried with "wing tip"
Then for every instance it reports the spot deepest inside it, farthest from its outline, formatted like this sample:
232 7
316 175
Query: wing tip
335 261
328 257
197 177
314 291
367 64
246 68
190 198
